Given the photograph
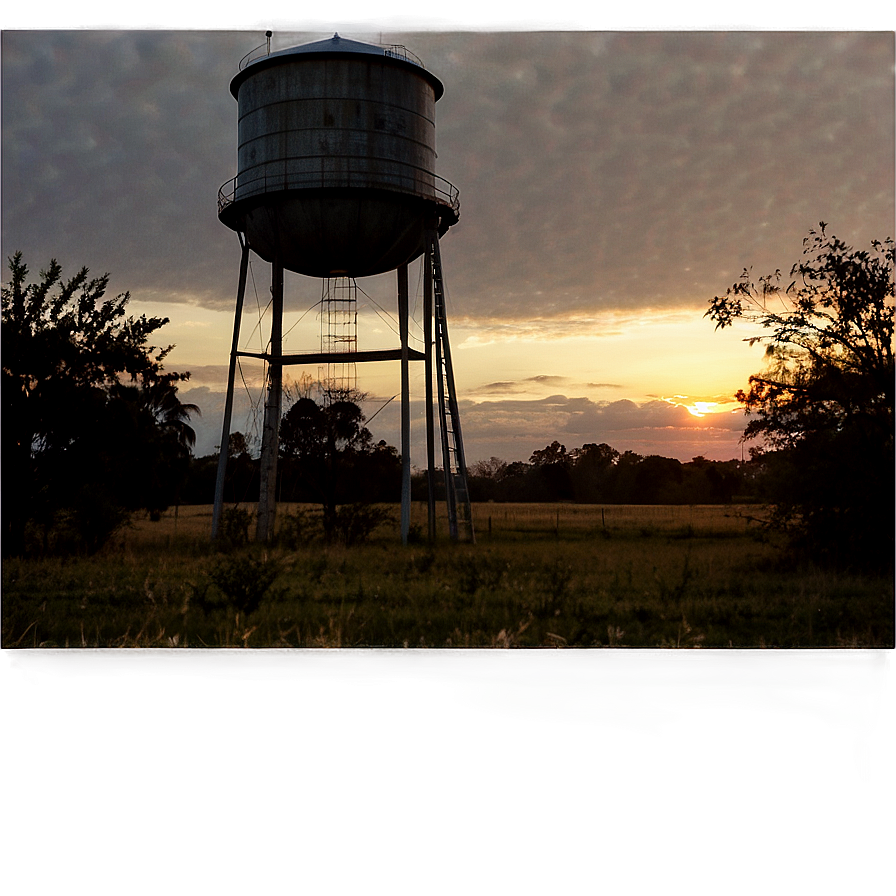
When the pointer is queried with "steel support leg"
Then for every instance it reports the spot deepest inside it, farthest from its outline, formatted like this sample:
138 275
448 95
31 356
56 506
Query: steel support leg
405 404
270 438
428 368
228 401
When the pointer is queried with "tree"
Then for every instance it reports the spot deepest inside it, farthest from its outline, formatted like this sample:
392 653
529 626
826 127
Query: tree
150 441
555 453
237 446
551 469
302 430
598 456
92 426
593 471
657 481
242 479
484 478
329 457
823 407
493 468
711 481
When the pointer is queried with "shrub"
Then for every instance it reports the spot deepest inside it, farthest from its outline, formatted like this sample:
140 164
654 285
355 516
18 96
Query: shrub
84 527
353 523
245 581
235 523
298 529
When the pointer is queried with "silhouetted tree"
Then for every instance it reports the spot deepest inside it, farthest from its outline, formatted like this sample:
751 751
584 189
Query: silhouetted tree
484 479
329 457
592 472
598 473
658 480
237 446
150 443
302 430
240 483
92 427
599 456
515 483
710 482
551 468
555 453
492 468
621 486
823 407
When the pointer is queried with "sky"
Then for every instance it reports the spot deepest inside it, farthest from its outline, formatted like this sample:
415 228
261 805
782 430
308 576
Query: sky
612 182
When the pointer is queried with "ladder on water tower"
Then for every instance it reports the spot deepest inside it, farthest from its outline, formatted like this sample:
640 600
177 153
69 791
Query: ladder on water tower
460 516
339 333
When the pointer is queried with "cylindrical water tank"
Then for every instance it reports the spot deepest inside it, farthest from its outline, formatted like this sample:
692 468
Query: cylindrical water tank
336 160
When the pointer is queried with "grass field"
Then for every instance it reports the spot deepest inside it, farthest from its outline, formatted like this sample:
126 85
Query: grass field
539 576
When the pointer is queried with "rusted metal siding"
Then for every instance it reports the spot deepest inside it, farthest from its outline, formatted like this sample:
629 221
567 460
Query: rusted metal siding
336 123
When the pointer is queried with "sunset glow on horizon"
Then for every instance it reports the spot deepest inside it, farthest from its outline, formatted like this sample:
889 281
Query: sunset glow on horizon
695 409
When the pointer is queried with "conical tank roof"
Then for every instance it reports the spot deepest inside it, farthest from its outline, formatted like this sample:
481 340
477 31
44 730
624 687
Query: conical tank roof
336 46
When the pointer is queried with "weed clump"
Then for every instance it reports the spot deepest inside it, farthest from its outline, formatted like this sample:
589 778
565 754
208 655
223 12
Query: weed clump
353 523
555 579
298 529
244 581
420 564
235 523
475 572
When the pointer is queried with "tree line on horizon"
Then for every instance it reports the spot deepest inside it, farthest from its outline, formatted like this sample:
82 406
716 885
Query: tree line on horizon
368 472
93 428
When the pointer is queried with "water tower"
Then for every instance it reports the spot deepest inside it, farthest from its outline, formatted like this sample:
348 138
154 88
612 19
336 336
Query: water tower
336 179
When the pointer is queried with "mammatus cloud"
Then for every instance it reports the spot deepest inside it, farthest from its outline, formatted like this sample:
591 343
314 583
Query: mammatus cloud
618 170
114 146
597 170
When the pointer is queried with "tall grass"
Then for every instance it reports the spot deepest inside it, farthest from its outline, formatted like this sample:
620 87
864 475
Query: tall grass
544 576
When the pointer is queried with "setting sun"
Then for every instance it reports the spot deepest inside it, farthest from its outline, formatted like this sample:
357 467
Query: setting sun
701 408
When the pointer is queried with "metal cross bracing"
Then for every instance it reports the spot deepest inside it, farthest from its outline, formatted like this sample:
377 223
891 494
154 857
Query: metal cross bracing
339 331
460 516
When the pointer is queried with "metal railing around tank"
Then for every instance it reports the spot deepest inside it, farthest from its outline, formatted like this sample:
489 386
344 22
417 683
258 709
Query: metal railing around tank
252 55
400 51
396 51
440 190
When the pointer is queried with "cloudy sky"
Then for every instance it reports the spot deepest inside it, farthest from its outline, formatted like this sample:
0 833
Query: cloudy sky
612 182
